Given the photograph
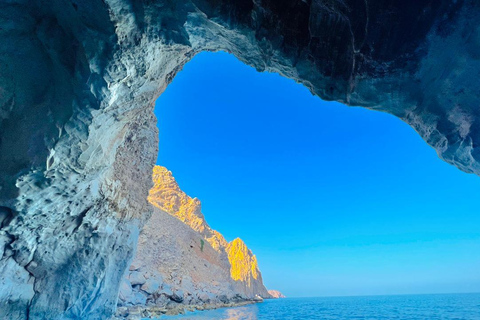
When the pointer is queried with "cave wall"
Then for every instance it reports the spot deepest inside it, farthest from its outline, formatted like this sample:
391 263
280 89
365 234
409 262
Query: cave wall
78 83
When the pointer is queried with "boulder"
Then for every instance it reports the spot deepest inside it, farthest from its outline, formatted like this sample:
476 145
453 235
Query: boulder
136 278
177 296
204 296
166 290
139 298
151 285
126 291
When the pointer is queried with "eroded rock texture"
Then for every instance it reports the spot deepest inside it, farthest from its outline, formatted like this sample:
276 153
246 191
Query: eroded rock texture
78 81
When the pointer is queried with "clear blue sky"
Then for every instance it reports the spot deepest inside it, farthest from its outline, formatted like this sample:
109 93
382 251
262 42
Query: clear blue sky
333 200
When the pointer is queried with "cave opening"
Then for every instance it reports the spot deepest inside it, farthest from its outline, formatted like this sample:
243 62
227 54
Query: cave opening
345 201
78 142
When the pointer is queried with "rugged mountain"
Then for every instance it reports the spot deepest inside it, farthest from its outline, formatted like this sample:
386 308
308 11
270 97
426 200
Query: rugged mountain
78 85
276 294
180 259
167 196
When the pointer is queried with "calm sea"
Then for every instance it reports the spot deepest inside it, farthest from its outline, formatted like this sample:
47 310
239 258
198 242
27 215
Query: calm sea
405 307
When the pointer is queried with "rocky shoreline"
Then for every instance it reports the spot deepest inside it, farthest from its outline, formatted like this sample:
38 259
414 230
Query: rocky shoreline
152 312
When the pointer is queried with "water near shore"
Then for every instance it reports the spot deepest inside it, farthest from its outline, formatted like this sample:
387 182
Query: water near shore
405 307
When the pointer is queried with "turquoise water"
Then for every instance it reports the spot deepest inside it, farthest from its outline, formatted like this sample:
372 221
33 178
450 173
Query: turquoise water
405 307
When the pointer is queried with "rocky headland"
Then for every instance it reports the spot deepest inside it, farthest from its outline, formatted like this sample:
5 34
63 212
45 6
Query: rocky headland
181 263
276 294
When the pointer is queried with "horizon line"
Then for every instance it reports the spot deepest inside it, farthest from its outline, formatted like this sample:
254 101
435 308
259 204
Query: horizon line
380 295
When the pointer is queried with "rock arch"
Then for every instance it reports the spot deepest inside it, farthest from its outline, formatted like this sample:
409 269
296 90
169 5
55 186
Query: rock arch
78 83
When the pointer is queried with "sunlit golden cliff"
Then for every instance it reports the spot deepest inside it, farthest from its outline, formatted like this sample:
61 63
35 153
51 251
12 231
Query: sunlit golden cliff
244 265
167 196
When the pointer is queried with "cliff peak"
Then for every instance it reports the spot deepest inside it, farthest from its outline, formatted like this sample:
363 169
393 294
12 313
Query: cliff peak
244 262
167 196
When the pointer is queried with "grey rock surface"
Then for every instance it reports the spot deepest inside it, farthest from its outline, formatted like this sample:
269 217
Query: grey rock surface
78 83
136 278
177 268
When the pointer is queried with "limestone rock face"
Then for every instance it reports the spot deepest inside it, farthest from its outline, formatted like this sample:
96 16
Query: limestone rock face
179 249
276 294
176 265
244 269
78 139
167 196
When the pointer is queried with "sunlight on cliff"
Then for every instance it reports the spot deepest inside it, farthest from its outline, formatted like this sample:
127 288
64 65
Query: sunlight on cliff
167 196
244 263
